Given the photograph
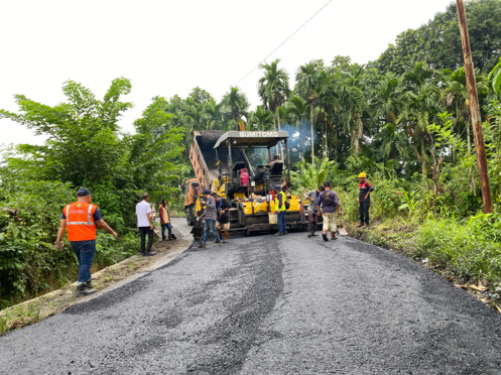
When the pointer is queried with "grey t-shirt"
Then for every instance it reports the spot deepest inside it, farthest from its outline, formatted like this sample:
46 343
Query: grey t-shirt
211 209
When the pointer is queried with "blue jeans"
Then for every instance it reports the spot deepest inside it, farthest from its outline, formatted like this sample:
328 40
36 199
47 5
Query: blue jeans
282 226
84 251
169 228
210 225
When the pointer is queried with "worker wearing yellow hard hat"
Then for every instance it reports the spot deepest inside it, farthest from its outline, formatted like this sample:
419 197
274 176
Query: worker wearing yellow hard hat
364 199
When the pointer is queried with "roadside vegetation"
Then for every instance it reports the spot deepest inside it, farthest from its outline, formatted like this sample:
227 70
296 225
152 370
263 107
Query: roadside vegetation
403 119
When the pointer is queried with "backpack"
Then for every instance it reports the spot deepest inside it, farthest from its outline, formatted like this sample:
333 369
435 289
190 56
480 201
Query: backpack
328 200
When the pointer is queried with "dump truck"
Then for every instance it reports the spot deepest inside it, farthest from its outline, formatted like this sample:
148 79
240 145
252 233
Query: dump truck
221 163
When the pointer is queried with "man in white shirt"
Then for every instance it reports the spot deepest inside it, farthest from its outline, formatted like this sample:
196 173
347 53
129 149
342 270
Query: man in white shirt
145 224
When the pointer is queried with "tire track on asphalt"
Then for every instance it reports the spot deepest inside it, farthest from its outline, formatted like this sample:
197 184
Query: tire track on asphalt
261 264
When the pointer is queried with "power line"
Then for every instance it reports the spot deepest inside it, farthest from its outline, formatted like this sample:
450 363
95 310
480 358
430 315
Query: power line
285 41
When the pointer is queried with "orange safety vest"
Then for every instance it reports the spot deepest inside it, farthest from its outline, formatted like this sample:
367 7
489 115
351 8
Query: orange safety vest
80 221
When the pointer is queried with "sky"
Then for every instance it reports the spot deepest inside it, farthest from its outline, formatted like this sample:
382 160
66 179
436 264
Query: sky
169 47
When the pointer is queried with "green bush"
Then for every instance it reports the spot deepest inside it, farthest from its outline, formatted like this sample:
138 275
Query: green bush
27 256
471 249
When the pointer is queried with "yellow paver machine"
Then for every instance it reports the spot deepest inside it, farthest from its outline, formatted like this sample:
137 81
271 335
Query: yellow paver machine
238 166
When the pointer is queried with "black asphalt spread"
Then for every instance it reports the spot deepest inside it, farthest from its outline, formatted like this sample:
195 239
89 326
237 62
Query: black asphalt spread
269 305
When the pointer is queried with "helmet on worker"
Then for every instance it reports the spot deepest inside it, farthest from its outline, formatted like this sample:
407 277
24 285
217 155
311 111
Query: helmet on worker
362 176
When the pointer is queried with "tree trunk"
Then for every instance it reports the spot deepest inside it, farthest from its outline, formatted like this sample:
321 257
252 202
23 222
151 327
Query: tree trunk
312 137
423 158
468 135
360 132
279 128
324 153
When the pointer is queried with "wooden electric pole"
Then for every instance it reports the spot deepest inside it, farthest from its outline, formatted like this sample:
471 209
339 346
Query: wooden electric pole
476 119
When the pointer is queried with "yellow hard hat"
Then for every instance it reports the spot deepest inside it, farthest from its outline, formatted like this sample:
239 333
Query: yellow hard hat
362 175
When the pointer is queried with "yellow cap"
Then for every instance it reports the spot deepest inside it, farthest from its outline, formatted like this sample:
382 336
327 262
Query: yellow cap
362 175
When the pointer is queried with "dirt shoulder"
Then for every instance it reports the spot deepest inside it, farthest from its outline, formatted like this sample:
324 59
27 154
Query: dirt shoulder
104 280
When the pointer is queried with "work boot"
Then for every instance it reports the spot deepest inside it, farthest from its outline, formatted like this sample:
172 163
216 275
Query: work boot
82 290
360 225
220 232
324 236
149 254
201 245
333 236
226 234
218 243
164 238
172 237
279 234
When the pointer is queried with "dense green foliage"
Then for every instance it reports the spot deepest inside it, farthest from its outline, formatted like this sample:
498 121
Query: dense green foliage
84 148
438 43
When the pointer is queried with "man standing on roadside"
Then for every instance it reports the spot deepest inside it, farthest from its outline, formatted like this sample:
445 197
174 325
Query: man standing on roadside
280 209
165 221
210 215
145 224
313 196
81 218
328 204
364 199
223 218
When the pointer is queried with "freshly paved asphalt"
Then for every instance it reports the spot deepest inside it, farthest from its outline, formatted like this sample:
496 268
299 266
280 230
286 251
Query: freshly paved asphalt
268 305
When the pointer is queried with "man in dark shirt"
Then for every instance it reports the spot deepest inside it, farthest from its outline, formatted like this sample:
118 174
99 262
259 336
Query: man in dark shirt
364 199
328 204
223 219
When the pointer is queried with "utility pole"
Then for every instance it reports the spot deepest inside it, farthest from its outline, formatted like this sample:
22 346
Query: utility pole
476 119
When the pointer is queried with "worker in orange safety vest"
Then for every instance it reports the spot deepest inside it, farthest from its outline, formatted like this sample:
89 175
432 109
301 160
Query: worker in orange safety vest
81 218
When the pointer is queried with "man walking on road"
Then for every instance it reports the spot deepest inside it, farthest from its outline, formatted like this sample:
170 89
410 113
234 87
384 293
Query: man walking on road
280 210
210 219
313 196
145 225
364 199
328 204
223 218
81 218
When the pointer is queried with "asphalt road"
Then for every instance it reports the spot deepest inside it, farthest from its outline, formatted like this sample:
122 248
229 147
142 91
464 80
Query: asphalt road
268 305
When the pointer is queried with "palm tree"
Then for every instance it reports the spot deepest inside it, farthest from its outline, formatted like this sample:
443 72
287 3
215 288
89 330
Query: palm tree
296 110
387 98
213 116
418 110
236 103
260 119
273 89
307 87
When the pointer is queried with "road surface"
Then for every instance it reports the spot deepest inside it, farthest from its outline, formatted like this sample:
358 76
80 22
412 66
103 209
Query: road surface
269 305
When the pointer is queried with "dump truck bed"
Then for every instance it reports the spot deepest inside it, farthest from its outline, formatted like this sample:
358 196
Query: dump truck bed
204 160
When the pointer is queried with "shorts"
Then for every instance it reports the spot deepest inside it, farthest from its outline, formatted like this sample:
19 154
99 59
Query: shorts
225 226
329 223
